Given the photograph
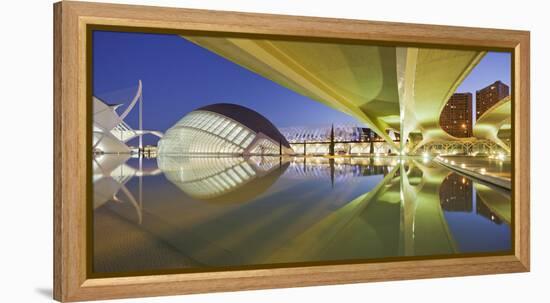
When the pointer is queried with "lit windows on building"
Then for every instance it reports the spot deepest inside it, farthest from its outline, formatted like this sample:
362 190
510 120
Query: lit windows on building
489 96
456 117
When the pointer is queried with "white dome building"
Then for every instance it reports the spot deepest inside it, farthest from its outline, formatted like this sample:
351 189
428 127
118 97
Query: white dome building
223 129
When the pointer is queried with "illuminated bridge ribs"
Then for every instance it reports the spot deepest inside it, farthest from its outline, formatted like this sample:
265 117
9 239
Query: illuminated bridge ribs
458 147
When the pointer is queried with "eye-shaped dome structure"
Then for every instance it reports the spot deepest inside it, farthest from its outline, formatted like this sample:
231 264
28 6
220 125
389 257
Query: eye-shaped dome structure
224 128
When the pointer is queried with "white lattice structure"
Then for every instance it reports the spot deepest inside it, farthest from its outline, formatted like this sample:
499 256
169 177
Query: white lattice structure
223 129
110 132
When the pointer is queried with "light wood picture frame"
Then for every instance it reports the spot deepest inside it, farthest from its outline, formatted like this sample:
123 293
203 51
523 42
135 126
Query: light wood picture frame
72 165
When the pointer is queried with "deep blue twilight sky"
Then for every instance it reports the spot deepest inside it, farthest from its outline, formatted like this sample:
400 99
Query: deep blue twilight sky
179 76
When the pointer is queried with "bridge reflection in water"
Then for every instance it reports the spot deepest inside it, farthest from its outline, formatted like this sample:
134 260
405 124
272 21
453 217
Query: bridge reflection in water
188 212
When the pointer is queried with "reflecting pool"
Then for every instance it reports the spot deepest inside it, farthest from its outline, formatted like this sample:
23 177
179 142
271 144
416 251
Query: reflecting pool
192 213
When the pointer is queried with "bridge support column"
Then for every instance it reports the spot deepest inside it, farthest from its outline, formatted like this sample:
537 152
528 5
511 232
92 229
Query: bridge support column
406 73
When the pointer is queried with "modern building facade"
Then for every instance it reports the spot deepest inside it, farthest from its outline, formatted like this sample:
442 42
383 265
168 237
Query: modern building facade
322 133
456 116
106 126
343 138
110 132
489 96
224 129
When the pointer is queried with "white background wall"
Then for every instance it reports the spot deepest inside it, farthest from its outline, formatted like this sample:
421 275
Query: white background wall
26 149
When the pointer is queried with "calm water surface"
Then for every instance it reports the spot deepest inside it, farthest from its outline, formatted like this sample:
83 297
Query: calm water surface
178 212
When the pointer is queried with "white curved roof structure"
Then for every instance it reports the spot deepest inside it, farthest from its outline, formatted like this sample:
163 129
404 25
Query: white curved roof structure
110 132
224 129
105 121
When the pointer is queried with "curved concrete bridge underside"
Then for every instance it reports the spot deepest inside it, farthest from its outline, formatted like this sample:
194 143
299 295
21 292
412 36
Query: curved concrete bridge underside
386 87
493 120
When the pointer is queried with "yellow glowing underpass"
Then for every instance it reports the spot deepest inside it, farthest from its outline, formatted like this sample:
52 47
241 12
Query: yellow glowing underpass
399 88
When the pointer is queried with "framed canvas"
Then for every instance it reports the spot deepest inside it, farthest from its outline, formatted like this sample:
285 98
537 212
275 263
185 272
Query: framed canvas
203 151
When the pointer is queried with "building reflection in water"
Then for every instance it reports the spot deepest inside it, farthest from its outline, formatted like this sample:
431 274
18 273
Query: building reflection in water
476 214
233 211
111 173
457 194
339 169
485 211
222 179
